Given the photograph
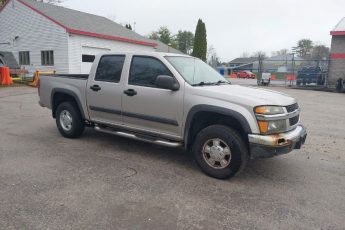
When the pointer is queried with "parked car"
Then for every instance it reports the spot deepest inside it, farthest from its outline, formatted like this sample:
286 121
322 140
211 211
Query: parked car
265 79
246 74
309 75
175 101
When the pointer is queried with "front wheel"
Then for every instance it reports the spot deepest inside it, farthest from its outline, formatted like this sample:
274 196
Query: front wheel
69 120
220 151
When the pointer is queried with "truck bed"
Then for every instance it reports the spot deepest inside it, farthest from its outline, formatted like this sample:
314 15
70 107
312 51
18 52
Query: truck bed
73 84
74 76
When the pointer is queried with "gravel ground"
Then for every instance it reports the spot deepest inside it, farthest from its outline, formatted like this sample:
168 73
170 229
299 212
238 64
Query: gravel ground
105 182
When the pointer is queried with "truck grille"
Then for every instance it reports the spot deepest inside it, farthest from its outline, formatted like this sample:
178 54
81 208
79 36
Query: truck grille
291 108
294 120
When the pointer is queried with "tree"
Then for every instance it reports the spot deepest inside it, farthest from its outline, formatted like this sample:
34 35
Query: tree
212 57
200 41
164 35
320 52
281 52
245 55
128 26
257 54
185 41
2 2
304 48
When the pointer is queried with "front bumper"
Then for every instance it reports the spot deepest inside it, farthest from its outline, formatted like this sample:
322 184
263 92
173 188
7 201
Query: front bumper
263 146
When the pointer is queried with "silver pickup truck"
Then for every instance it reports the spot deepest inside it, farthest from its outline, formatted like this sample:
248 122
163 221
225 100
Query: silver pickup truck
175 101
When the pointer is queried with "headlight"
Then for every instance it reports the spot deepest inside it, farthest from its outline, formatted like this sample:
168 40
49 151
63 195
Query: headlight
269 110
267 127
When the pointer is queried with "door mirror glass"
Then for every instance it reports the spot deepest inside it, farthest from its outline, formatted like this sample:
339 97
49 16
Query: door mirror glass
167 82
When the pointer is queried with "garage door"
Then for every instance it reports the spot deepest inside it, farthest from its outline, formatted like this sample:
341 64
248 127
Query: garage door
88 56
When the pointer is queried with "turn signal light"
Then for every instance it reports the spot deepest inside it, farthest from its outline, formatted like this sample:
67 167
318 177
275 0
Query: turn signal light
263 125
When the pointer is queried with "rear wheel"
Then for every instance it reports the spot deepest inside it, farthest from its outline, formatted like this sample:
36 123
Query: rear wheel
220 151
69 120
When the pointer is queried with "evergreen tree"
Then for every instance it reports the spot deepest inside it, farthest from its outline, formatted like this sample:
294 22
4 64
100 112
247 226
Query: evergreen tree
200 41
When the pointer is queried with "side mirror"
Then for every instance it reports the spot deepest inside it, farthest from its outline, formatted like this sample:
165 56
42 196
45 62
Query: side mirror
167 82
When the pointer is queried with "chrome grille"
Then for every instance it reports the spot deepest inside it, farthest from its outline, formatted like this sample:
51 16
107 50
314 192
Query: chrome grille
291 108
294 120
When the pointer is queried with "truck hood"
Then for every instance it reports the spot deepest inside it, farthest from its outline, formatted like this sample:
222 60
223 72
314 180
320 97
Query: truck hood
249 96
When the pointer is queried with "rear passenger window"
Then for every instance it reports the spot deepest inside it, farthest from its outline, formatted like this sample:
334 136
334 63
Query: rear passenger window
110 68
144 71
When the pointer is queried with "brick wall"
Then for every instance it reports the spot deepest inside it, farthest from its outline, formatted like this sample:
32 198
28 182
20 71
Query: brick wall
336 66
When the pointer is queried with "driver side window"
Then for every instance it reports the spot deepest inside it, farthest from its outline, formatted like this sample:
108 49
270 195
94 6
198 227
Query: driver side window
145 70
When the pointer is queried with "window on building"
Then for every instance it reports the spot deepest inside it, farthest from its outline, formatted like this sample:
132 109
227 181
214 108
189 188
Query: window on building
145 70
110 68
47 57
88 58
24 58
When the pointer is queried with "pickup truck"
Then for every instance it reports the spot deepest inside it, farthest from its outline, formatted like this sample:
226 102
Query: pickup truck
175 101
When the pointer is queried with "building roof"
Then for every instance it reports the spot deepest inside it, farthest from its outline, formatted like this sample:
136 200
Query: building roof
287 57
162 47
243 60
9 60
81 23
339 29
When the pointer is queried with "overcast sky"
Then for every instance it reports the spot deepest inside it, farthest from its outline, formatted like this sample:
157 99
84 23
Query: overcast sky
233 26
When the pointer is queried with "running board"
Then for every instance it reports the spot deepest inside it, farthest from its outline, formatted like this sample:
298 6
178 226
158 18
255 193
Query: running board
140 138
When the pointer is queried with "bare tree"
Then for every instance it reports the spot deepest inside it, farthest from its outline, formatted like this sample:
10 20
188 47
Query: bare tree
245 55
212 57
281 52
259 54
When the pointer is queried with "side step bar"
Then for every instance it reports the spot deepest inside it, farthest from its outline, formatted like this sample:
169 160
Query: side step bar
140 138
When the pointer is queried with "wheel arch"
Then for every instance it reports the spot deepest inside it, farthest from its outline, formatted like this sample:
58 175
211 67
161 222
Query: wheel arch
60 95
213 115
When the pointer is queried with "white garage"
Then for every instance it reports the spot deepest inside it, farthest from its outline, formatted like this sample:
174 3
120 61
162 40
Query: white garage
88 56
43 36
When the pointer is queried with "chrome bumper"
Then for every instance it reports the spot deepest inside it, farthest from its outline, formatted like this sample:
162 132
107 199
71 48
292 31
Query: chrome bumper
262 146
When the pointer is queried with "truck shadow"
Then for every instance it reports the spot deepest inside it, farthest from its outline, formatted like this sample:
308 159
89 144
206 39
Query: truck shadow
273 169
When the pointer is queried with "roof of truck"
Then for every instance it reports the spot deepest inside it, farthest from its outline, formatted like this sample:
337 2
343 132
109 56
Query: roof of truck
145 53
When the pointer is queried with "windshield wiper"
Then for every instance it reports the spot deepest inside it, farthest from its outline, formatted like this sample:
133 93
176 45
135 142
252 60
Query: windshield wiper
211 83
223 82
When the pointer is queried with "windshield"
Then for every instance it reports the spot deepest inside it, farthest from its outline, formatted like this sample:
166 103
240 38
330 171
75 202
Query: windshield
195 71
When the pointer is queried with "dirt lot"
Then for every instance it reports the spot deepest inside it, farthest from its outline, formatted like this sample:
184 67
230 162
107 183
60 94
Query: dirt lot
106 182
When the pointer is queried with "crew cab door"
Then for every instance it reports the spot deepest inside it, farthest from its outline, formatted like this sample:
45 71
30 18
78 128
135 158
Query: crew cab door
104 91
147 107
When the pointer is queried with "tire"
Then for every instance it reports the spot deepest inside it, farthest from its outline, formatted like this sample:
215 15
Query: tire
227 137
71 112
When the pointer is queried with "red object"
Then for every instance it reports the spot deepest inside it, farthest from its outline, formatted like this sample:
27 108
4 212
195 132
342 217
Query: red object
335 33
79 32
290 77
245 74
273 77
233 75
5 78
337 56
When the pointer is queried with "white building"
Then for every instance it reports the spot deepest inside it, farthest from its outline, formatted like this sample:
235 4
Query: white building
43 36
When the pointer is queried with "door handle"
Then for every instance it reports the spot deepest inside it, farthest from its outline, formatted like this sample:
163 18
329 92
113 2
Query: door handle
95 88
130 92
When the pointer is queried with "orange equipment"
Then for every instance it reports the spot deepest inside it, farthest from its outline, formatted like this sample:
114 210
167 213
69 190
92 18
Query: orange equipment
36 80
290 77
5 77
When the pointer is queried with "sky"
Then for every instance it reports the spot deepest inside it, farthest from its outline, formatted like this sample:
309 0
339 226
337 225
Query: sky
233 27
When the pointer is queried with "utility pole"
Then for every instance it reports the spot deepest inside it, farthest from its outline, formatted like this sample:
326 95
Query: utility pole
260 70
